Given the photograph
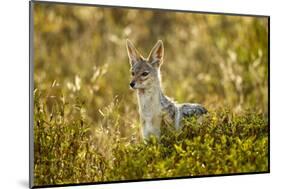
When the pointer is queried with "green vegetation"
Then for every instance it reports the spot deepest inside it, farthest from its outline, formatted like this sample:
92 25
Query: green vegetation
86 122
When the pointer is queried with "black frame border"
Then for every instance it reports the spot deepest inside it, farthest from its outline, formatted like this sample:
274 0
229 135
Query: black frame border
31 88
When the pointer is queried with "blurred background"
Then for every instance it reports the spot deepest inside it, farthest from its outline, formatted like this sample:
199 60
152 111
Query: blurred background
215 60
83 105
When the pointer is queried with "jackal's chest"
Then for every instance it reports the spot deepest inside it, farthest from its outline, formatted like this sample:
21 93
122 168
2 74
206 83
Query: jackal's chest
149 106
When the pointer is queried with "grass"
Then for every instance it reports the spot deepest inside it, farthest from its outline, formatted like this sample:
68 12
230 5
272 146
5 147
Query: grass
74 151
86 121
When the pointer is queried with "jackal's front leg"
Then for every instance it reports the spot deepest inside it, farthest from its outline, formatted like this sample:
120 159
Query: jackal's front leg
149 129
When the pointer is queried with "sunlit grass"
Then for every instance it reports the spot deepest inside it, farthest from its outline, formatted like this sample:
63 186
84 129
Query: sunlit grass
75 151
86 121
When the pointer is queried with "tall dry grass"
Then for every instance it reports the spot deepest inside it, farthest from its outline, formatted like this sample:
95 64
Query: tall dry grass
86 126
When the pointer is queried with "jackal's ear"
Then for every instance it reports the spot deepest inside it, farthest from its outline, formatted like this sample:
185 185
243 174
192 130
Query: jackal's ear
157 53
133 53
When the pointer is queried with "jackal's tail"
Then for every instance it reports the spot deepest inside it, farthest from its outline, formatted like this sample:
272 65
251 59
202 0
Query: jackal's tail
189 110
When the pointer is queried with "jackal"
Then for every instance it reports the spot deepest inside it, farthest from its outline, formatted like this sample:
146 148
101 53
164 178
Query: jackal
154 106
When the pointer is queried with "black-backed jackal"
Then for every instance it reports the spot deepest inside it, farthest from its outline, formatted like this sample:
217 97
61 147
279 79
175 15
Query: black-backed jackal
153 104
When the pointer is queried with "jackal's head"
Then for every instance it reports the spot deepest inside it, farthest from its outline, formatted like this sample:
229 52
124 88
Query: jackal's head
145 71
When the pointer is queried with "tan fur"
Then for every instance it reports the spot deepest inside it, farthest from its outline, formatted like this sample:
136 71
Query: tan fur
154 106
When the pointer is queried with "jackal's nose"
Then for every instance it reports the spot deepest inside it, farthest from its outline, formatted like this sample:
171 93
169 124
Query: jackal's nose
132 84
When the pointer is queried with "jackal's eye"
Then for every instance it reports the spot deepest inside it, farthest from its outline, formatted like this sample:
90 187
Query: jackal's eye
132 73
145 73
